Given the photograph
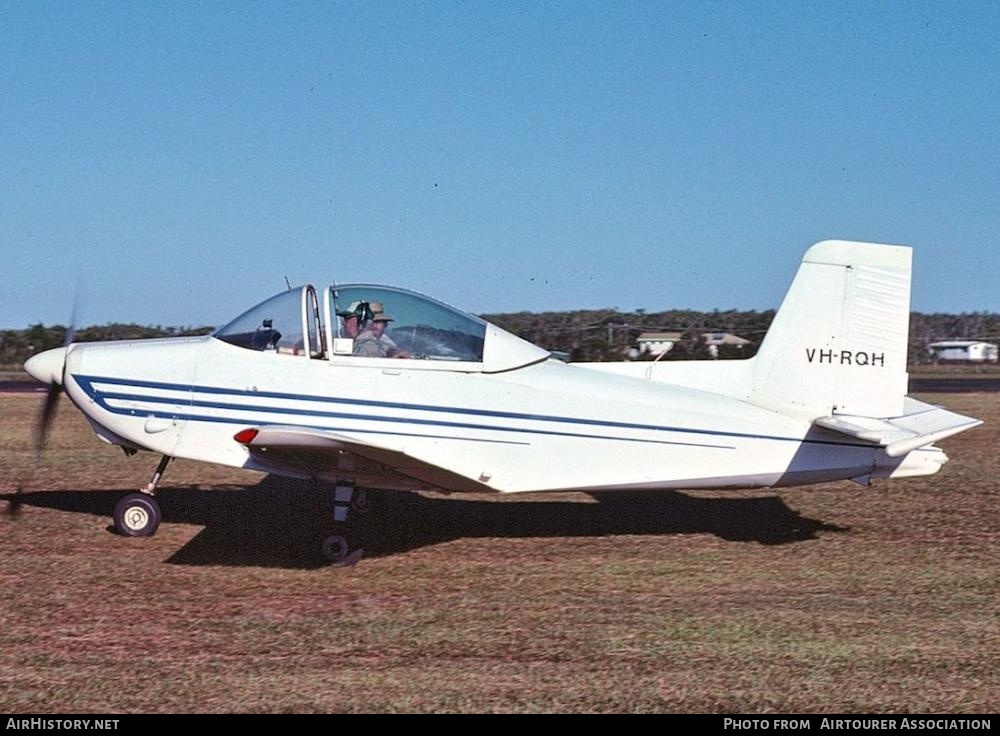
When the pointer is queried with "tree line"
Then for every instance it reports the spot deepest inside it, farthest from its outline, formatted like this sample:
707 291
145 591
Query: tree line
16 346
603 335
584 335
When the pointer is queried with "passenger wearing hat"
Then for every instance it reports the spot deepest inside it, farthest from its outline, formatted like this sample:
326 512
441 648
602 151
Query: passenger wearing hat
372 342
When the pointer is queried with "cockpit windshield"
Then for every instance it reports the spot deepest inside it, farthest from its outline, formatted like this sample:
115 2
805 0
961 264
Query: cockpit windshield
286 323
413 325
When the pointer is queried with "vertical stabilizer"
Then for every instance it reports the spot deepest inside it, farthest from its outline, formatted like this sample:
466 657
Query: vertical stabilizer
838 343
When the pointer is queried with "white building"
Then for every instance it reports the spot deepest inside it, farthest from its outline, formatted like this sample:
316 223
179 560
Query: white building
715 339
970 351
657 343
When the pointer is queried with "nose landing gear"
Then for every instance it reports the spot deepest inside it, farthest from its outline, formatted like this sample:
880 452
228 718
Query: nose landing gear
138 514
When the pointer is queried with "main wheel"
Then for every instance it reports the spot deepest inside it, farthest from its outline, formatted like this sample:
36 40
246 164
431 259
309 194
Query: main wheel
137 515
335 548
338 551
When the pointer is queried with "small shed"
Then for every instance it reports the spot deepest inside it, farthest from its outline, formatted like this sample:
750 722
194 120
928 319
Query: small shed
964 351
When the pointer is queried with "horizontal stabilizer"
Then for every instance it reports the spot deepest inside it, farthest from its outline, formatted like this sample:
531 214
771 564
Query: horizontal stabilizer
921 424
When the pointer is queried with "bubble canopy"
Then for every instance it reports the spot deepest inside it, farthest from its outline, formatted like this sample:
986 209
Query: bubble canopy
416 327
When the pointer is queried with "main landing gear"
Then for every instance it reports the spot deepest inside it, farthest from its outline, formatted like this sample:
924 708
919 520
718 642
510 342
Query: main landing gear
138 514
341 547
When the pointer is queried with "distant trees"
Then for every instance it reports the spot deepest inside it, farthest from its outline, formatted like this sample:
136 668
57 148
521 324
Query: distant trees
608 334
586 335
16 346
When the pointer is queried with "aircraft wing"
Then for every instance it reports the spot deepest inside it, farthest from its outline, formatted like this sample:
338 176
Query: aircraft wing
317 452
921 424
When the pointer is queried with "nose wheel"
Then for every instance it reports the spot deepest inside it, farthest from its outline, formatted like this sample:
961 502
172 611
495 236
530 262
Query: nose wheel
138 514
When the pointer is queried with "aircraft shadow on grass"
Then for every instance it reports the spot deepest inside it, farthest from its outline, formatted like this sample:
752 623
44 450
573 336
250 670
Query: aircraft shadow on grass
277 523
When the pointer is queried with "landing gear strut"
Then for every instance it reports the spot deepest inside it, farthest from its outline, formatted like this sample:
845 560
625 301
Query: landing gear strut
337 547
138 514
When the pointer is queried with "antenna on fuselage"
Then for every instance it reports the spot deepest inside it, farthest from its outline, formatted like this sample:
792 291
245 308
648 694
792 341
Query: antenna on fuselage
288 283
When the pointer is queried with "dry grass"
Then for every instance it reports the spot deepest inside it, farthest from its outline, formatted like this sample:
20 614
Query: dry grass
831 598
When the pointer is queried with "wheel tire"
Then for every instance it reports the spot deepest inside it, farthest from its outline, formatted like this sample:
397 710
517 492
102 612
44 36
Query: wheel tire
137 515
336 549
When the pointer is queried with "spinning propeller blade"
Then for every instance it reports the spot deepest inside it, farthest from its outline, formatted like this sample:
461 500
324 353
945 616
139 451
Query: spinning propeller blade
50 367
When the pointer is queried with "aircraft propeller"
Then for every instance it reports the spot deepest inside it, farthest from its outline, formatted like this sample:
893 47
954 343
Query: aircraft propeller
49 367
56 373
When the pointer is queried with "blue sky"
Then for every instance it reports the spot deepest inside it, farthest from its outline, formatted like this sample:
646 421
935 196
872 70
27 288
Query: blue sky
173 162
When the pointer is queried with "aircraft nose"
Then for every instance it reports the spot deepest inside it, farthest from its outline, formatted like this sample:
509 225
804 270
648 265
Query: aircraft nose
47 366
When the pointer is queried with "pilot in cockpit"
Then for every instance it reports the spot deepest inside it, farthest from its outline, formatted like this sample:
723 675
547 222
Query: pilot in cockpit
352 319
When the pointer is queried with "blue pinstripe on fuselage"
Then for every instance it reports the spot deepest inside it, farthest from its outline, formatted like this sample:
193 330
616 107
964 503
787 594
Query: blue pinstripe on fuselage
269 403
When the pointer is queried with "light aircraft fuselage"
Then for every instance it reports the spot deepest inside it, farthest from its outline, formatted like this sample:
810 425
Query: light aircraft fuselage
382 388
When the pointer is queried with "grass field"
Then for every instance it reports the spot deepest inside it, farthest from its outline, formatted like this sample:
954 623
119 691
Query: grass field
824 599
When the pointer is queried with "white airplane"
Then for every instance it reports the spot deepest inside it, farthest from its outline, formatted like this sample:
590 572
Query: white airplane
458 404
